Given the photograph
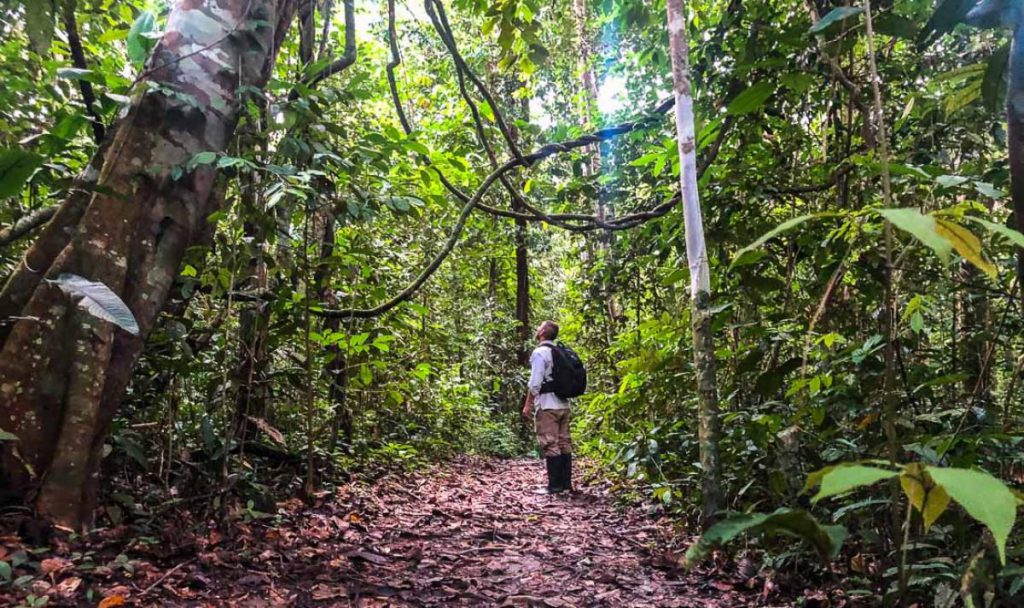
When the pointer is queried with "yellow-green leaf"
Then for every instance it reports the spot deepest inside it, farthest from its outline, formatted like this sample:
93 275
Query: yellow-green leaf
966 244
929 499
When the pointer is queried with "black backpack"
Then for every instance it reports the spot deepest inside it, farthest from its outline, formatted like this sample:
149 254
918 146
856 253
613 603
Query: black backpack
568 376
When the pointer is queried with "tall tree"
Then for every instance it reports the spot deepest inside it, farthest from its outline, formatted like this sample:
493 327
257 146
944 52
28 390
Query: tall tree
697 260
65 370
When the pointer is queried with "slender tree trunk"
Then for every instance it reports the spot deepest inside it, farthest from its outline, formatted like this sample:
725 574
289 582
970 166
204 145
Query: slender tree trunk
975 328
335 371
697 260
602 209
250 374
64 371
522 279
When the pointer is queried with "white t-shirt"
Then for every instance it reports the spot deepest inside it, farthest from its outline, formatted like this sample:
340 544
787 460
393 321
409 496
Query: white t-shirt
542 365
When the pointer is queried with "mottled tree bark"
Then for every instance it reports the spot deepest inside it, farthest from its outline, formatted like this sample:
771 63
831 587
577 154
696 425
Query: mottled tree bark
704 363
63 371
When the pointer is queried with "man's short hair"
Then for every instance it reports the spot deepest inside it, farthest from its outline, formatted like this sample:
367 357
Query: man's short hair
550 329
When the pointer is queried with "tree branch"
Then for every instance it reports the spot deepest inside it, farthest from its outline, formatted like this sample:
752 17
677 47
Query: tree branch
525 161
439 18
26 224
343 62
78 59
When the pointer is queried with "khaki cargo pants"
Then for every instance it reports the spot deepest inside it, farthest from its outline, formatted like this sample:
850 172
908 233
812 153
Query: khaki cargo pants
553 432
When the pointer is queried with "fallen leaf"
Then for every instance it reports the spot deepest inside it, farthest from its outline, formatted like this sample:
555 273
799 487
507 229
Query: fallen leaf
321 592
373 558
68 587
54 565
111 601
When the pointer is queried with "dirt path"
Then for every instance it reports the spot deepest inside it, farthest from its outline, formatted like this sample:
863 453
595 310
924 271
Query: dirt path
472 533
466 533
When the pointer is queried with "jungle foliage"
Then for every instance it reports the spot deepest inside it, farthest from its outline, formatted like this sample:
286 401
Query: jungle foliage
403 190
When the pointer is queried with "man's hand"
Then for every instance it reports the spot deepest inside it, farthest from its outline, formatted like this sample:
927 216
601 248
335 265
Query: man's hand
528 405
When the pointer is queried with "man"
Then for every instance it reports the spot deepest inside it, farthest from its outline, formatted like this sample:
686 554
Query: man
552 420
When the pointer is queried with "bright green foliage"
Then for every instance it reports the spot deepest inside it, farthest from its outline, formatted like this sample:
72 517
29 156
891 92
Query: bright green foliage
138 42
984 497
795 219
923 227
842 479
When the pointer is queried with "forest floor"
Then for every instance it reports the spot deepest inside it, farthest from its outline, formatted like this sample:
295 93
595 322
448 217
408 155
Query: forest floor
465 533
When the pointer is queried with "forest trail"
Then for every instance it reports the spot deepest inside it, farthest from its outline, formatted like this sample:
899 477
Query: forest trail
465 533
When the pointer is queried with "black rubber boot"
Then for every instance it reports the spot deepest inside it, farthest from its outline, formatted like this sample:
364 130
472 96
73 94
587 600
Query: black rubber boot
554 467
567 472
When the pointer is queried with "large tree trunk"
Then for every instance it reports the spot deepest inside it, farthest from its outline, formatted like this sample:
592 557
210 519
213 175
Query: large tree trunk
64 371
697 259
1015 142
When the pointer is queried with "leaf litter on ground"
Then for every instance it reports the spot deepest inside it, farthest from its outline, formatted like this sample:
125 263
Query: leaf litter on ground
469 532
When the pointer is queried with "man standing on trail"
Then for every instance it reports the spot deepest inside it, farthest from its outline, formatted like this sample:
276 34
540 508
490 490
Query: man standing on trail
552 420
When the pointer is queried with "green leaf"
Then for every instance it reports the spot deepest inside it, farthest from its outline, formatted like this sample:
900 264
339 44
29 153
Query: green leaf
897 26
916 322
989 190
842 479
80 74
774 232
416 146
7 436
139 45
951 181
748 257
984 497
798 82
16 166
922 227
39 24
203 158
963 96
826 540
675 276
836 14
486 111
133 449
98 300
751 99
1012 235
995 74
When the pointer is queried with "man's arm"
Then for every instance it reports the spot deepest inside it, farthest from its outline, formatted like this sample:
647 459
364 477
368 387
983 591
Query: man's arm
528 404
535 382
